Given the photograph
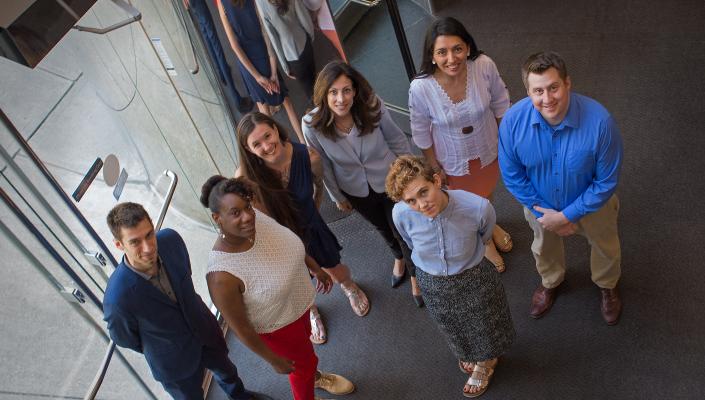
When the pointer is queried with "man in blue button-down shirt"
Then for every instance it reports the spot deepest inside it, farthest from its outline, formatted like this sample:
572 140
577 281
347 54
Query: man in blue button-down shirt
560 155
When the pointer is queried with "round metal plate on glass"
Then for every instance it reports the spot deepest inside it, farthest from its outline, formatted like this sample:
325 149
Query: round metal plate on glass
111 170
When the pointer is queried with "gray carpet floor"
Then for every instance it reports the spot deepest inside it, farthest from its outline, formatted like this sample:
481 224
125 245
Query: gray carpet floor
644 60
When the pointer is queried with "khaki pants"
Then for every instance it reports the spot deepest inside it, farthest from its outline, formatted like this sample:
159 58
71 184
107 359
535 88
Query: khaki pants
599 228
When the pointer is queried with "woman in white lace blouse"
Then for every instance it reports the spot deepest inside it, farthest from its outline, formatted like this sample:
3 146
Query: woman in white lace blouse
259 280
456 104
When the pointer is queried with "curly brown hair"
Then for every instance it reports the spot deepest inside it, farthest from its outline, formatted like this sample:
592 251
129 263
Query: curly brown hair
403 171
365 109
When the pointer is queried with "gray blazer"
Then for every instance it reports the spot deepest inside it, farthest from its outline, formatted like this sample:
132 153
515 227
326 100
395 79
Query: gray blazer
352 163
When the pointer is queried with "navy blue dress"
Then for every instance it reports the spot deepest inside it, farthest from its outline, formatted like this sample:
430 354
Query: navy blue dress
245 24
210 39
321 243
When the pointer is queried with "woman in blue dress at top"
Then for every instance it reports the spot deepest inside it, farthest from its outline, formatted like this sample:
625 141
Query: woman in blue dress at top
256 59
290 186
446 231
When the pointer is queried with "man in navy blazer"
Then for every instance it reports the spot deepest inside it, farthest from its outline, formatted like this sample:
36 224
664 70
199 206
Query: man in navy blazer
151 307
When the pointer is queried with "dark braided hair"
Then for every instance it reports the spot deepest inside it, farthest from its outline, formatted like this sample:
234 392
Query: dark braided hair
217 186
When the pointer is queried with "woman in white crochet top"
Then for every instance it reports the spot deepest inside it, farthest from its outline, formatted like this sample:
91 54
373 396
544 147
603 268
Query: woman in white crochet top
456 103
259 280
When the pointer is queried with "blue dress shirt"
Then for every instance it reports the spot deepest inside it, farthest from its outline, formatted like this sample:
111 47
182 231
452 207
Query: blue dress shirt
451 242
572 167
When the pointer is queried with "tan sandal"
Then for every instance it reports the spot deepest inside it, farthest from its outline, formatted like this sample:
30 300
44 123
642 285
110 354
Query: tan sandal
468 370
502 240
318 330
494 257
480 378
357 298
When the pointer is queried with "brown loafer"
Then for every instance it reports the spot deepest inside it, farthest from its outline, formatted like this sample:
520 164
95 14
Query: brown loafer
611 305
542 301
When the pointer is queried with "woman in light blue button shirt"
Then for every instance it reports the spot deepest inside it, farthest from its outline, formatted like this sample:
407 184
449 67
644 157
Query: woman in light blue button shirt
446 232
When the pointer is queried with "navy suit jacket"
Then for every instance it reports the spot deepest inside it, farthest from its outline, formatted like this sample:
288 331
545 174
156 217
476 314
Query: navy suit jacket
140 317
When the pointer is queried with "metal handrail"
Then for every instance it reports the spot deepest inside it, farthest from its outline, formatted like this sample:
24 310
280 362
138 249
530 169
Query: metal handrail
398 109
57 188
35 232
135 15
182 18
167 198
366 3
78 296
46 206
103 369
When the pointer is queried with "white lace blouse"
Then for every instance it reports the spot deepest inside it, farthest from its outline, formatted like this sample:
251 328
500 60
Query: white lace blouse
437 121
278 288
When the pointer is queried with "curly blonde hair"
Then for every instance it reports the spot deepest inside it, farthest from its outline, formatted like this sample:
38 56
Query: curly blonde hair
403 171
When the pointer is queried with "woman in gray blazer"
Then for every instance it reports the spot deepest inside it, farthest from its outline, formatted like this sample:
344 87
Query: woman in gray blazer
358 141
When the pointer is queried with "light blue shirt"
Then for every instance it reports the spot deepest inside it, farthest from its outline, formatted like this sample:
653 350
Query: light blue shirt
454 240
572 167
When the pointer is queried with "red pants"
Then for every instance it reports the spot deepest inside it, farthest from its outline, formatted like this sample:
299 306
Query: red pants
292 342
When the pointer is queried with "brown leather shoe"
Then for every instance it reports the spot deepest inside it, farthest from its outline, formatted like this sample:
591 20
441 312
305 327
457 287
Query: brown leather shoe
542 301
611 305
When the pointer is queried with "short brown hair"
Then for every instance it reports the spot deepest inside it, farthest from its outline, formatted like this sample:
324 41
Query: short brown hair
538 63
126 215
403 171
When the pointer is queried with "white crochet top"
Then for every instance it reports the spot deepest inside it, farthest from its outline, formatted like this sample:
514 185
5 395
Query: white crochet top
278 288
437 121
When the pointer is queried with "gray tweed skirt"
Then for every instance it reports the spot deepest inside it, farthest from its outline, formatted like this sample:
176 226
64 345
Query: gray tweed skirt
471 310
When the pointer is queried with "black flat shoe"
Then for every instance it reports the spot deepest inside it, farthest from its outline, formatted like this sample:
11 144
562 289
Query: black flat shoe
397 280
418 299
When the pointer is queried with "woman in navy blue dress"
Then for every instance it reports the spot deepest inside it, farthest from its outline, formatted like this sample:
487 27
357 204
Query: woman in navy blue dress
256 59
289 179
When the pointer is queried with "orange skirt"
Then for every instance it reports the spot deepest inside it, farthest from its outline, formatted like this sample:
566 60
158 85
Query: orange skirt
480 181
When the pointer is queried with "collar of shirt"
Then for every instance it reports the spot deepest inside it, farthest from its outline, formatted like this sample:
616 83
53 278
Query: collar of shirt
571 119
448 211
142 274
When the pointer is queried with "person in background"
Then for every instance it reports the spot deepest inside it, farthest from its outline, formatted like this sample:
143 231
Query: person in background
258 277
204 22
456 104
446 231
151 307
357 141
290 29
560 154
256 59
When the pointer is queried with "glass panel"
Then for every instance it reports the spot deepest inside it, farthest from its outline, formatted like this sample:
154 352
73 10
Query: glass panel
50 341
96 95
93 96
